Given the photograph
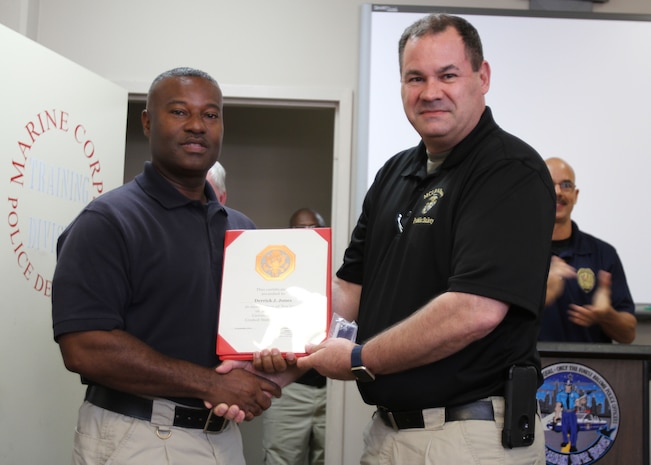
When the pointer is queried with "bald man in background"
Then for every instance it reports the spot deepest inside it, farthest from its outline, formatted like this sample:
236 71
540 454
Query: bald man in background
588 299
306 218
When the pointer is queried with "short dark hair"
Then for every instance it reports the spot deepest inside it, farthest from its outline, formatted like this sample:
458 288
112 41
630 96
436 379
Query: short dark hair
183 71
437 23
315 214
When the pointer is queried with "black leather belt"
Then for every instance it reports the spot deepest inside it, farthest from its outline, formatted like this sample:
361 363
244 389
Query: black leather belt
139 407
479 410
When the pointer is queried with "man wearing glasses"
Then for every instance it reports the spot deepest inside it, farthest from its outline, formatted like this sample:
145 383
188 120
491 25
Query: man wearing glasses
587 298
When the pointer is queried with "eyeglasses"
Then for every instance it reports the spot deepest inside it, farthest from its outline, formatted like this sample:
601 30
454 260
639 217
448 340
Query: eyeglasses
566 186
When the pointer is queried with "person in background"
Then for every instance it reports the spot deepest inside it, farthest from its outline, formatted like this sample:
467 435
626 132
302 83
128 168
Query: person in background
136 292
306 218
446 268
293 428
217 179
587 297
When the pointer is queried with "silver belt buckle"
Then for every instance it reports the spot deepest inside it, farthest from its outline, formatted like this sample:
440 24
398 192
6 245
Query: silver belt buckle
389 414
205 426
392 420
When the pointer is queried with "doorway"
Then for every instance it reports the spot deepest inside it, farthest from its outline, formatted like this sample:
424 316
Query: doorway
279 156
277 159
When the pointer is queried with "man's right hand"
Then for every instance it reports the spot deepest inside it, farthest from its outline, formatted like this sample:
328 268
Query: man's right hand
119 360
279 370
559 271
240 395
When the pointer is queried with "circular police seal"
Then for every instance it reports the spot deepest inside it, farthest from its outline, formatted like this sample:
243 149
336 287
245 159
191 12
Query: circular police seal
54 172
580 414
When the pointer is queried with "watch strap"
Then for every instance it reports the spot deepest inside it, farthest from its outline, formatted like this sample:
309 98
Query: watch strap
356 356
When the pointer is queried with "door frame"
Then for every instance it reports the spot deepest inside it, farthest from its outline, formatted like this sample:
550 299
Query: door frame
343 427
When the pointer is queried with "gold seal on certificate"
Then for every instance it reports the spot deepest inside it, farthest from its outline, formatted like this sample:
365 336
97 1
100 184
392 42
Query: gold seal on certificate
275 291
275 262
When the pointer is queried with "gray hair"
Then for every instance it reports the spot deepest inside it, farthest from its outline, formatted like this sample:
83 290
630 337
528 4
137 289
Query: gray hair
217 175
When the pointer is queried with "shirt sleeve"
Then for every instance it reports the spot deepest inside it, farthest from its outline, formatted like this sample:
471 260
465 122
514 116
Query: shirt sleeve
503 238
90 283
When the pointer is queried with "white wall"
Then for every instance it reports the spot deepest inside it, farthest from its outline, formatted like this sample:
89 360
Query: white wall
526 95
57 154
287 43
255 42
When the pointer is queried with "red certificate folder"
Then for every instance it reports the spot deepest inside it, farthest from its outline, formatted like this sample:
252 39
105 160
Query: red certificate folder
275 291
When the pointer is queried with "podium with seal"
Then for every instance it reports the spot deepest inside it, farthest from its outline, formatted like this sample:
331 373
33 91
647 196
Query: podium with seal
595 403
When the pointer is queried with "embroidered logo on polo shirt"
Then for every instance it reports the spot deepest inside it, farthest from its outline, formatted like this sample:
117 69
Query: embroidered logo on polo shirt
586 279
431 198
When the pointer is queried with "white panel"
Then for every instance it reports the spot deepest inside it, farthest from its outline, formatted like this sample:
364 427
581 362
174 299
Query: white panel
62 144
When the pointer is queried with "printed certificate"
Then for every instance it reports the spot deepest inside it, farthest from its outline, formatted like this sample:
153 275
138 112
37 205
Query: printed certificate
275 291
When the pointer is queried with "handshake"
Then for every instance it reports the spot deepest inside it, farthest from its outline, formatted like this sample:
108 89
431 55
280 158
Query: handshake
274 370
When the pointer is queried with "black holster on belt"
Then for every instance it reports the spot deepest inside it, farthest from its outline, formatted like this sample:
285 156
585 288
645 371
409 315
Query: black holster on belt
520 407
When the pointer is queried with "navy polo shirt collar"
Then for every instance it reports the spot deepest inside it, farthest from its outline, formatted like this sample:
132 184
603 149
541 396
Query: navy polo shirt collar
577 246
158 188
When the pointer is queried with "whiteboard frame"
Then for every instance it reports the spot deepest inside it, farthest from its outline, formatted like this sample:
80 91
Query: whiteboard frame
608 108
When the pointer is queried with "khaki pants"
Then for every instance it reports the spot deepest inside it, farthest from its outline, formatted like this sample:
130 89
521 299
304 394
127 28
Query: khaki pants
457 442
293 428
103 437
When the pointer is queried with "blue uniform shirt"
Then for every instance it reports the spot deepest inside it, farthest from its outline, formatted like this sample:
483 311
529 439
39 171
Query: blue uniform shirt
587 255
567 400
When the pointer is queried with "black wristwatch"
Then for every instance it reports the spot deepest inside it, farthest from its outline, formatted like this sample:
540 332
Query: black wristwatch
360 371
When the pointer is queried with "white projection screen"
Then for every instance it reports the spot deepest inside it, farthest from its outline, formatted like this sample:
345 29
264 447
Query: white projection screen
576 87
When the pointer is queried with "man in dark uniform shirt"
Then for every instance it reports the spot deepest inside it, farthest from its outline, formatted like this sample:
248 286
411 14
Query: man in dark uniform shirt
587 299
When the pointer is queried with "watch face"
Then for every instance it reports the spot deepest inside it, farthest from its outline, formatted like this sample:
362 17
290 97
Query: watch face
363 375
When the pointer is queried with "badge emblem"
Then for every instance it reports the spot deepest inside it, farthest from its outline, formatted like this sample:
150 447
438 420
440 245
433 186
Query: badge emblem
586 279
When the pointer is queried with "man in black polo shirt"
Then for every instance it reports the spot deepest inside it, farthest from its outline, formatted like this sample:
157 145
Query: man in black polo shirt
446 268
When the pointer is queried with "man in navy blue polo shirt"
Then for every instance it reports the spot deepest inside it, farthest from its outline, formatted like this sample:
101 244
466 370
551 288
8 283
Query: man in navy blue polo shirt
136 293
587 299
